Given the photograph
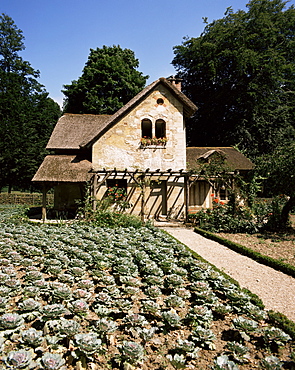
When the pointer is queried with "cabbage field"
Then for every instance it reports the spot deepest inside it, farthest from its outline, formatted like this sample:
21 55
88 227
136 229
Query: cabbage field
75 296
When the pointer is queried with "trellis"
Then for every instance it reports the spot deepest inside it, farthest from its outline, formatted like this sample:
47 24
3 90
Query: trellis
100 177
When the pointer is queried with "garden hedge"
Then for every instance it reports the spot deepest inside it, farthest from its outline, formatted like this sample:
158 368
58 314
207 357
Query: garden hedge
256 256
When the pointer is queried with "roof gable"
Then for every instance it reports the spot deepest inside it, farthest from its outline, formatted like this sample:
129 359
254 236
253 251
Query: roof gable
75 131
189 107
235 159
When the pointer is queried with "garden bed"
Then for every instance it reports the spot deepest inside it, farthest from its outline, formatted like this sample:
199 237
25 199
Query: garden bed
277 245
76 297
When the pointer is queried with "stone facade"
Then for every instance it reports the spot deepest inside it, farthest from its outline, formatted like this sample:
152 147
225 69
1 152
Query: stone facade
120 147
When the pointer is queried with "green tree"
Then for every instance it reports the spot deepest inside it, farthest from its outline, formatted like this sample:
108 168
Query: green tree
278 168
109 80
240 73
27 114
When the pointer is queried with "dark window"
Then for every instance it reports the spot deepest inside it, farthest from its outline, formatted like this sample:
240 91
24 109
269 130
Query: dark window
146 128
223 193
160 129
117 183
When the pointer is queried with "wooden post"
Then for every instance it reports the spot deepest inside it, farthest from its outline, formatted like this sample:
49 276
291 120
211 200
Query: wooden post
44 191
94 191
186 197
142 198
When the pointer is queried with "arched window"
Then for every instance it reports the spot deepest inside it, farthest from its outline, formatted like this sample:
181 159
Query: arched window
160 129
146 128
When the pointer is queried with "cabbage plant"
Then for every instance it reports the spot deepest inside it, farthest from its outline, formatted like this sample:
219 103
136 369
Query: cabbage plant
32 337
88 343
21 359
224 363
11 321
132 352
52 361
51 311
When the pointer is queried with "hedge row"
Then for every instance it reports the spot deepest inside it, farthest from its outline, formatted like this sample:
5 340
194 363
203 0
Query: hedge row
256 256
26 199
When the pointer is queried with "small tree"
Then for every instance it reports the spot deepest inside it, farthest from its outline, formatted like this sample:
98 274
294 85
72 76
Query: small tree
109 80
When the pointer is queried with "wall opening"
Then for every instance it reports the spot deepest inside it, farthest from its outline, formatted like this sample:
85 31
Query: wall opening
160 129
146 128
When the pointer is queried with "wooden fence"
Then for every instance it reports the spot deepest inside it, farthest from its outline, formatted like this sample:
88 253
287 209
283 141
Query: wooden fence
33 199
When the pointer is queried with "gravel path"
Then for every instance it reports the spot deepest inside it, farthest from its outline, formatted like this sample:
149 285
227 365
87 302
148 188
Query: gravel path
277 290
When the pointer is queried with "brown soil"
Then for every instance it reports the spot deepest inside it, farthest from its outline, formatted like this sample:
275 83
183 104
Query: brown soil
278 245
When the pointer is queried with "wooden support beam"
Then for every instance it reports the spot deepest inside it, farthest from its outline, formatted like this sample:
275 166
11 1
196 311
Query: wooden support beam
44 192
143 186
94 191
186 197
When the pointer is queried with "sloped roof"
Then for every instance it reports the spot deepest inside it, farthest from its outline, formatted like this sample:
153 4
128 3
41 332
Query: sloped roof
189 107
72 129
235 159
63 168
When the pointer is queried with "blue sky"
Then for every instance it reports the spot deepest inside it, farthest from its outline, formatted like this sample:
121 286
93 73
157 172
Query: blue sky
60 33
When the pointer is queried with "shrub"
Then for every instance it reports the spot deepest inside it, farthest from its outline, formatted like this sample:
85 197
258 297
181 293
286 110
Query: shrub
233 218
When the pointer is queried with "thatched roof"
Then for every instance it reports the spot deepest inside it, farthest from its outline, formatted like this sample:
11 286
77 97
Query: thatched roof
72 129
233 158
188 105
63 168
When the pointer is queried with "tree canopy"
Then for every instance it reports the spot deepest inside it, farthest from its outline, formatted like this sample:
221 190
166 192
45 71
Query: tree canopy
27 114
240 72
109 80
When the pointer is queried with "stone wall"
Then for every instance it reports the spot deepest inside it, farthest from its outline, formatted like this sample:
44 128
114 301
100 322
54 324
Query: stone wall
120 146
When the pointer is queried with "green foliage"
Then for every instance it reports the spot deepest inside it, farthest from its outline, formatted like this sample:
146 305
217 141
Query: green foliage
282 322
109 80
278 168
108 212
268 261
229 217
225 218
240 73
27 114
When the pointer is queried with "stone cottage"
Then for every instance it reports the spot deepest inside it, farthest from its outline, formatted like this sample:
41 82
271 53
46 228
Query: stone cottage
140 149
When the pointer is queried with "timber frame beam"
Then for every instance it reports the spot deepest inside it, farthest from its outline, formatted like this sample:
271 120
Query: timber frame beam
139 176
100 176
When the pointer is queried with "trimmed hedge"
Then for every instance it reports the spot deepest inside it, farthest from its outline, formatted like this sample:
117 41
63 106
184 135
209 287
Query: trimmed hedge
33 199
282 322
265 260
